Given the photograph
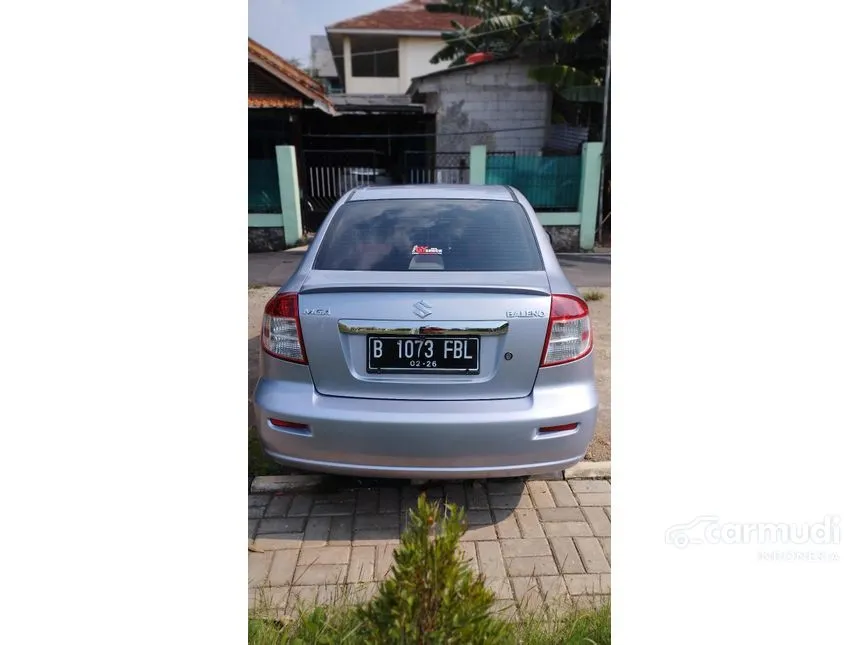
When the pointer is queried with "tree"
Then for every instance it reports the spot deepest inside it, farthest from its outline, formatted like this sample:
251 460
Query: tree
571 36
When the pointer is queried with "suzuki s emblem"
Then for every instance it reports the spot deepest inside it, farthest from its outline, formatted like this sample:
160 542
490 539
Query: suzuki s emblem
421 309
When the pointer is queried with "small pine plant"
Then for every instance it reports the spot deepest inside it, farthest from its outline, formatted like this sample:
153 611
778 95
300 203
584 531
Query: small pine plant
432 596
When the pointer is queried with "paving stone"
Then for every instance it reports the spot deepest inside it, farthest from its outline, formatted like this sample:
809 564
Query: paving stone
374 537
455 494
553 589
408 498
479 526
562 494
320 574
278 541
599 521
506 525
271 601
279 506
384 560
564 514
341 531
605 543
316 531
252 528
566 555
504 610
281 525
301 506
361 565
283 567
343 496
490 558
258 568
501 588
588 583
594 499
324 555
368 501
568 529
511 501
360 593
329 508
589 485
532 566
509 487
525 547
540 494
608 511
389 500
528 595
256 512
530 525
476 497
364 522
589 602
469 554
592 555
256 501
301 596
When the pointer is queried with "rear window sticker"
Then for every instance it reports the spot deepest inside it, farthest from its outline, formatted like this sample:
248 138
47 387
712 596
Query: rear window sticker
426 250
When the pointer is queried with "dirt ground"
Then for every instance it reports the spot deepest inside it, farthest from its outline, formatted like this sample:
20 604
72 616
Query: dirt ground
601 325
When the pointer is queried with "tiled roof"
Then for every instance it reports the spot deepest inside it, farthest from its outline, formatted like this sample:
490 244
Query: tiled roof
259 101
406 16
292 76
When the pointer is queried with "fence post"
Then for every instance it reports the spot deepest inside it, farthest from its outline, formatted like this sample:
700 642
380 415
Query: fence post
288 182
478 165
589 193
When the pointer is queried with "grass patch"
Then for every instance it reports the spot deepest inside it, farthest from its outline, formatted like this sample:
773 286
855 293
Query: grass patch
343 625
258 463
593 294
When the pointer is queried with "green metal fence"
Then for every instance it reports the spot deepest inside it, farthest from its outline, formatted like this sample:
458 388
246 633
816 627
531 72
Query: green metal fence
550 183
264 194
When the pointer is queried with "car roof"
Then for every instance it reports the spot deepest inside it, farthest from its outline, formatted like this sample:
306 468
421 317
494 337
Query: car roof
434 191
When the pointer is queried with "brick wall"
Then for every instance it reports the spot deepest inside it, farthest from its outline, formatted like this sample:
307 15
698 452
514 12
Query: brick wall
488 98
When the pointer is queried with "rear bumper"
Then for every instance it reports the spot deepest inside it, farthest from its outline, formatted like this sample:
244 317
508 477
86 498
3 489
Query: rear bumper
425 439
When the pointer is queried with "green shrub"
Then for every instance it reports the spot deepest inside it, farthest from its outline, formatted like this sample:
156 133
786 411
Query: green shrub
432 596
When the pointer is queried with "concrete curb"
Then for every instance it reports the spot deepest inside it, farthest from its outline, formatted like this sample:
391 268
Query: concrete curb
589 470
278 483
293 483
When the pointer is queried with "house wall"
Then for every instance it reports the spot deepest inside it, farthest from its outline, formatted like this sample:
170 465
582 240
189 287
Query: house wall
486 99
414 54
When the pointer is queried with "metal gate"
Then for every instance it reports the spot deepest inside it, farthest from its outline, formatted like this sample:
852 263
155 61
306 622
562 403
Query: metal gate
329 174
436 167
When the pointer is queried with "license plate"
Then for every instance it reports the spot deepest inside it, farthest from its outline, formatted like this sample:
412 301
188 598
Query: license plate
423 354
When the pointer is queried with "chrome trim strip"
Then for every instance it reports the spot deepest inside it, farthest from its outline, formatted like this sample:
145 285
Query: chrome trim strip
494 329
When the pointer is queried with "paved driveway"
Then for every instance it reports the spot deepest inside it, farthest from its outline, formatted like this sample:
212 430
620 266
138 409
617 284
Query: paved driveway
274 269
538 543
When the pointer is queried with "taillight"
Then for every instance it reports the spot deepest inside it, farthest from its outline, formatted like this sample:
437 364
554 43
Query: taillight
282 331
568 336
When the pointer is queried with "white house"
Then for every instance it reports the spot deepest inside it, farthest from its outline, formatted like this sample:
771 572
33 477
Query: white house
381 52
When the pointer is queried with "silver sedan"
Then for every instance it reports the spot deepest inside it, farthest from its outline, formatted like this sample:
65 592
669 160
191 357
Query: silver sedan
429 332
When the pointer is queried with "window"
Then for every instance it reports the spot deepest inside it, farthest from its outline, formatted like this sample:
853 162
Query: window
429 234
375 56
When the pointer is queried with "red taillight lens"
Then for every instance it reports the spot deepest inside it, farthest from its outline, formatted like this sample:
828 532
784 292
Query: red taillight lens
279 423
568 335
561 428
282 331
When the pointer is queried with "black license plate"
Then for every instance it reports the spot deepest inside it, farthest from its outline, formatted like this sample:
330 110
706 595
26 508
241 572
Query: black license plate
423 354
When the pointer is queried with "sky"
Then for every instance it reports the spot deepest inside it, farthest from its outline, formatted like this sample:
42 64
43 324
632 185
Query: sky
286 26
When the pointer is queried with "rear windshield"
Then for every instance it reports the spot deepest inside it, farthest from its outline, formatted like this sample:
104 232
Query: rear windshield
429 235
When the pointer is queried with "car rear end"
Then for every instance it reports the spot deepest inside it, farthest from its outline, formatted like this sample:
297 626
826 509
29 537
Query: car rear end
429 332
